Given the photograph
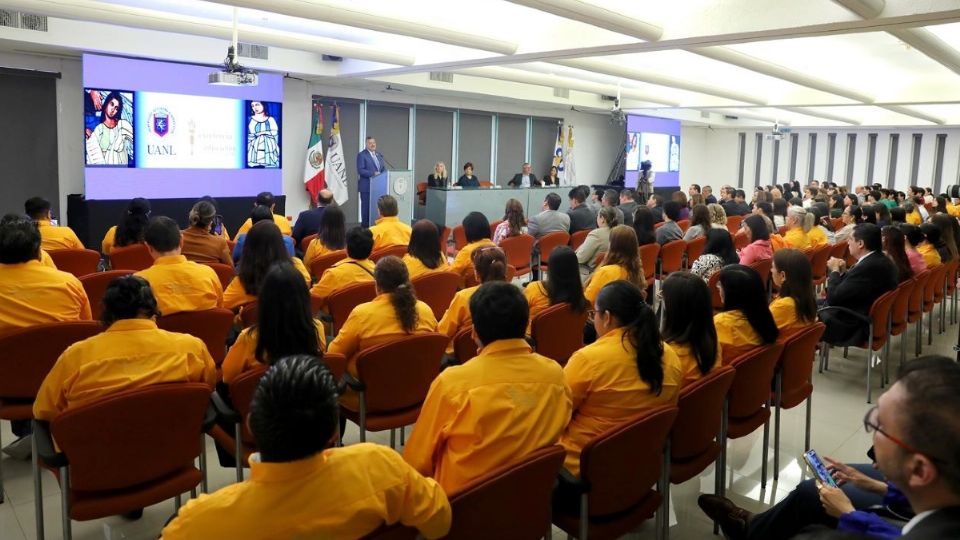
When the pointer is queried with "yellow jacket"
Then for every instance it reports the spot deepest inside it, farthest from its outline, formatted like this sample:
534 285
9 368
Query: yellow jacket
797 239
457 317
735 334
390 231
816 237
340 275
32 293
602 276
784 311
236 294
281 222
374 323
242 355
316 249
463 263
415 266
930 254
688 362
537 299
53 237
106 246
182 285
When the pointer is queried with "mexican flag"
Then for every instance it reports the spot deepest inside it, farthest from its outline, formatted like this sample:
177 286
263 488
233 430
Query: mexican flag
314 171
336 167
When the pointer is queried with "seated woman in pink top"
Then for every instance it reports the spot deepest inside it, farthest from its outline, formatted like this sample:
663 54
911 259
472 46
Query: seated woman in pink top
759 248
914 237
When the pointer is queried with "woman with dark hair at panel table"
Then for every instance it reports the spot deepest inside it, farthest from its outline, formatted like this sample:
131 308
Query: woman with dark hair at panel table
796 305
756 231
513 222
263 247
199 243
439 177
130 229
688 325
423 252
561 286
627 370
745 321
468 179
552 178
717 253
332 236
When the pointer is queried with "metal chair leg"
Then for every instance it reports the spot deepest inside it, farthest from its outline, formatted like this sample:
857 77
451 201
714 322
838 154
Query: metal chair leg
1 473
177 503
930 328
65 502
204 485
776 428
363 417
869 360
584 518
766 452
806 434
663 486
403 440
393 439
918 334
37 488
238 449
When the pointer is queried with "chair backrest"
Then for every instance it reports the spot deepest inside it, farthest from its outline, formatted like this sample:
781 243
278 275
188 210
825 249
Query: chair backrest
249 313
342 302
951 277
934 282
558 332
319 265
818 261
578 238
839 250
551 241
518 250
763 267
898 312
78 262
444 236
421 193
396 251
598 260
486 183
211 326
694 248
671 256
305 242
837 223
733 223
658 225
880 314
398 374
623 463
751 387
142 435
684 224
135 257
464 348
796 363
95 285
648 258
512 501
459 237
715 291
740 241
30 353
700 413
225 273
437 290
782 230
949 274
241 392
915 305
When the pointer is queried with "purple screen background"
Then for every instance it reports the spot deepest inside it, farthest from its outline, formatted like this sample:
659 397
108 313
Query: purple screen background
650 124
108 183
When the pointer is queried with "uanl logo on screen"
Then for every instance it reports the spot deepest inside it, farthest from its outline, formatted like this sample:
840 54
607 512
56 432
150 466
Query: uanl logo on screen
161 123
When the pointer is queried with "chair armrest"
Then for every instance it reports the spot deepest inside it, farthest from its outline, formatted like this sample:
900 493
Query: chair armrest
578 484
45 448
221 409
859 316
353 383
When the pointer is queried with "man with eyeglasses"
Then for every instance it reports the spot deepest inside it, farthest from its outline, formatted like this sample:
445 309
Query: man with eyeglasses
916 449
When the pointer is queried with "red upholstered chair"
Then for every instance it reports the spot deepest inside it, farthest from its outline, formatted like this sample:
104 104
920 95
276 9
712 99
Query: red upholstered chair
486 183
519 252
143 453
557 332
693 250
305 242
671 258
240 442
658 225
839 250
78 262
818 262
548 243
899 313
618 469
931 290
748 403
715 291
248 313
697 431
392 381
578 238
780 230
342 302
915 305
764 267
464 348
135 257
444 237
940 292
792 381
740 241
648 258
437 290
225 272
95 285
396 251
459 238
837 223
733 224
422 193
684 224
321 263
28 355
951 281
211 326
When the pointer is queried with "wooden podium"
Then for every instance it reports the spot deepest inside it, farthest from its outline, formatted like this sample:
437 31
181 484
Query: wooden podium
399 185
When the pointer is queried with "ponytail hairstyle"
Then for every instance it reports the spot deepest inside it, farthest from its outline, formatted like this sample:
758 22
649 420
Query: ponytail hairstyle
798 283
285 323
743 290
821 216
625 252
490 264
133 223
625 301
688 317
392 278
128 297
202 214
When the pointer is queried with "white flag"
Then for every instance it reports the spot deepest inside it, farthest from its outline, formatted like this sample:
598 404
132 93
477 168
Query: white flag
569 177
336 167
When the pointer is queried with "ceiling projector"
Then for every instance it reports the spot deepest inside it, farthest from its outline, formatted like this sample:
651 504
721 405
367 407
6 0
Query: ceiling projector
233 74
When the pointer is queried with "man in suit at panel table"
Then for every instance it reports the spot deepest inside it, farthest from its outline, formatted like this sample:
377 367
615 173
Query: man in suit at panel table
525 178
581 216
370 163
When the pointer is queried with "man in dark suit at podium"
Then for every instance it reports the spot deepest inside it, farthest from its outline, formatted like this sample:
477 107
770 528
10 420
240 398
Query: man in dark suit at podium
525 178
370 163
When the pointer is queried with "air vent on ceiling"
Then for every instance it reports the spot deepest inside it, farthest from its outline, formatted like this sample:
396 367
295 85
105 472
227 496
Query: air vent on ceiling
249 50
442 76
29 21
561 93
730 117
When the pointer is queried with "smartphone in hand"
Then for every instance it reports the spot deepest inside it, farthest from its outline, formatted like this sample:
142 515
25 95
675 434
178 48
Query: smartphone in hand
819 469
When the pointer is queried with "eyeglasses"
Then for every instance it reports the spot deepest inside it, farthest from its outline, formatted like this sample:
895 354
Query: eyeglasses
870 425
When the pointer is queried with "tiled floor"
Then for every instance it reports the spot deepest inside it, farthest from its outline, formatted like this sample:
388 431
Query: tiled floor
839 403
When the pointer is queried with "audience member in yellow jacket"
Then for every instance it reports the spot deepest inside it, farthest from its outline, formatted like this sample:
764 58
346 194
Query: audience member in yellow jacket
816 237
331 238
928 248
796 306
563 285
489 264
177 284
476 228
131 353
266 199
423 252
52 237
394 313
356 268
300 485
496 409
798 226
30 292
262 248
745 322
389 230
626 371
285 324
622 261
133 223
688 325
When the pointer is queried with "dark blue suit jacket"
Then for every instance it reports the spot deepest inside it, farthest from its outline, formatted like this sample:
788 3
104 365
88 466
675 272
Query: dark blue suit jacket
308 222
367 168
